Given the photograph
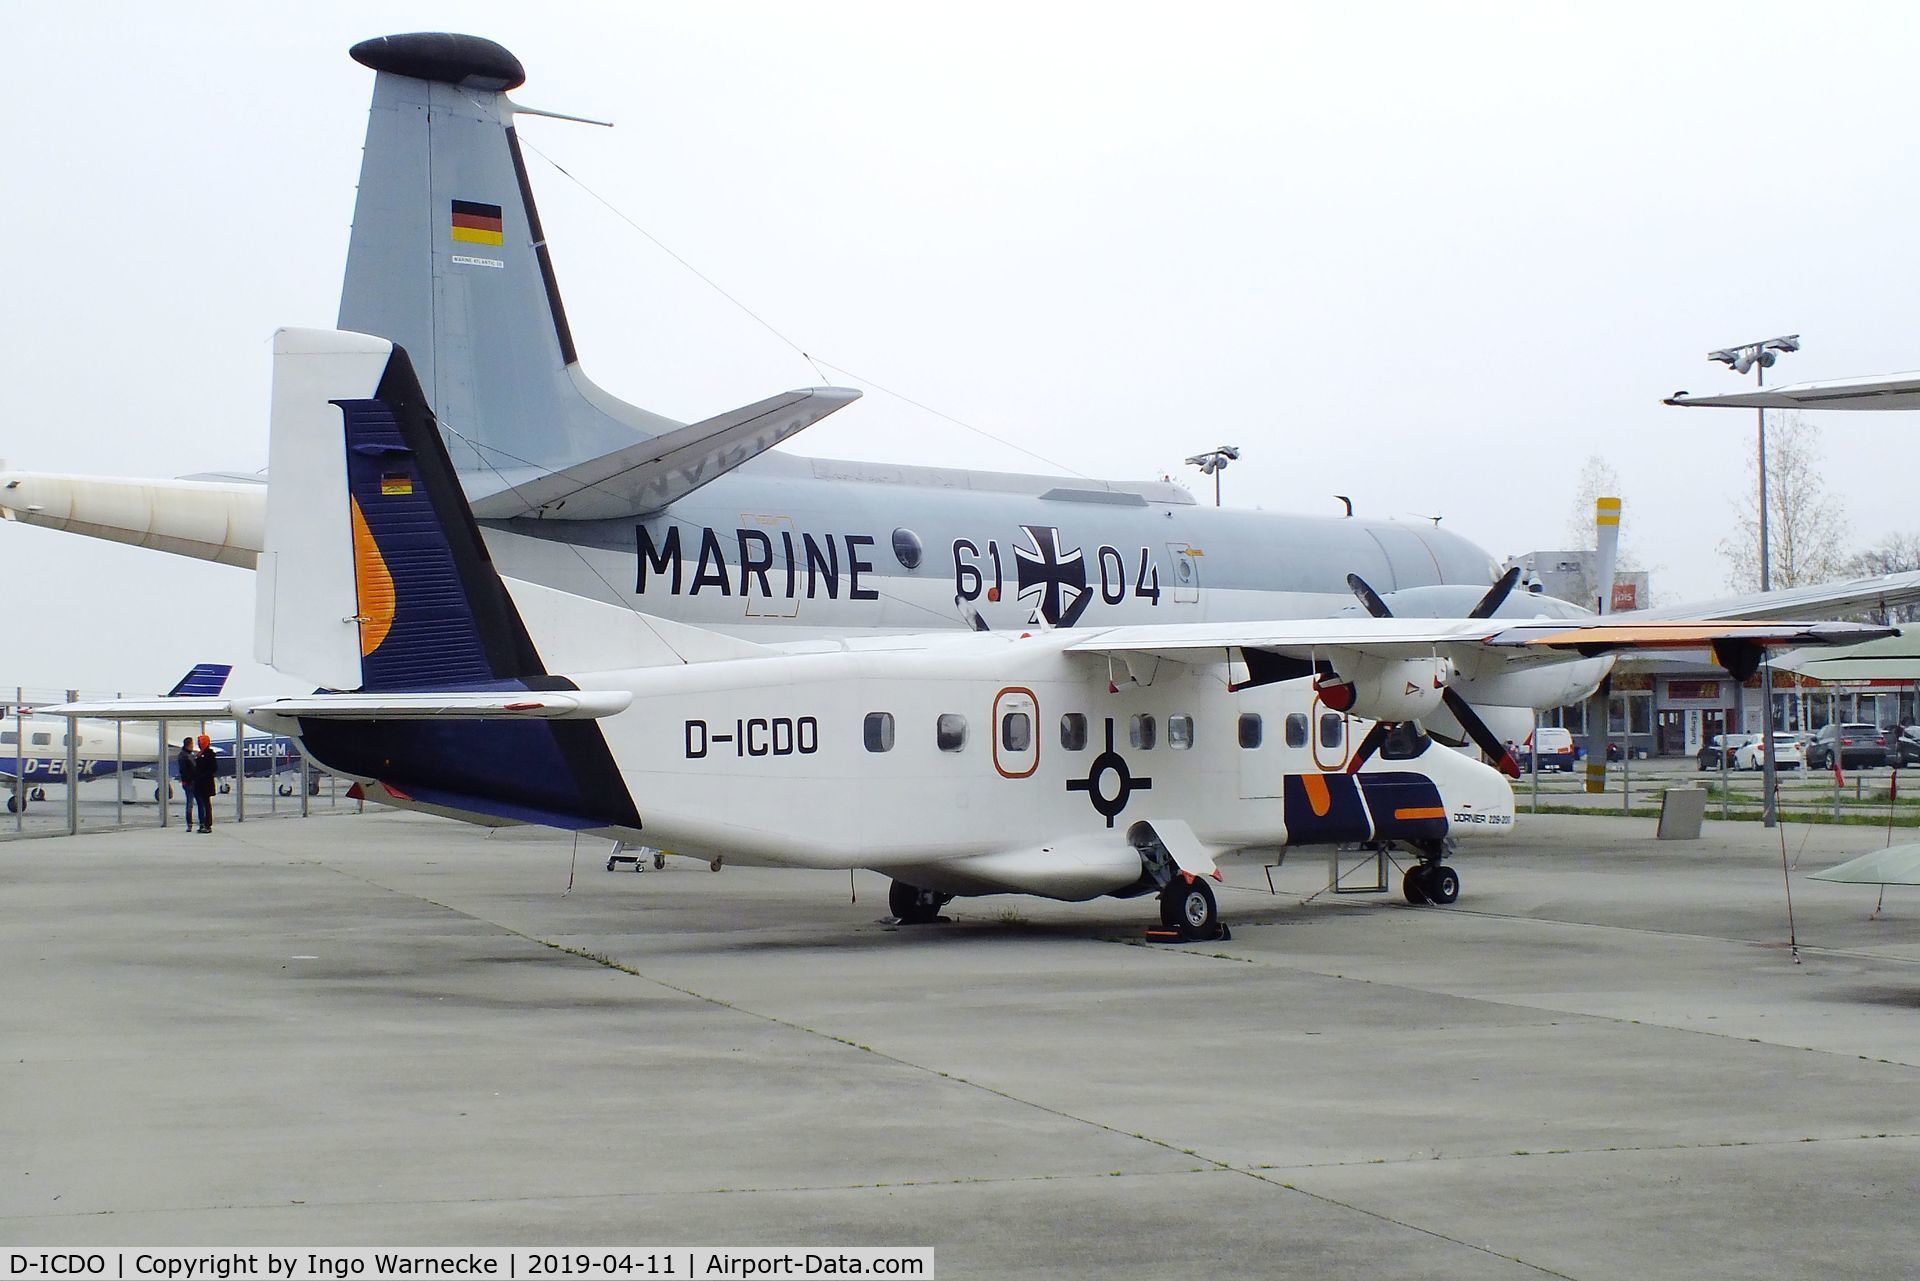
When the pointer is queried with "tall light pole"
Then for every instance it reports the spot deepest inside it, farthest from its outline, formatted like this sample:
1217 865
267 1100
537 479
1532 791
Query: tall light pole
1757 356
1212 463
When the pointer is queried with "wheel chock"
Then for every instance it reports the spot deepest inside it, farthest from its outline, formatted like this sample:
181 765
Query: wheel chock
1161 934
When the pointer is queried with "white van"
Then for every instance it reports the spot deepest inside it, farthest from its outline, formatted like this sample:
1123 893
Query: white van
1554 746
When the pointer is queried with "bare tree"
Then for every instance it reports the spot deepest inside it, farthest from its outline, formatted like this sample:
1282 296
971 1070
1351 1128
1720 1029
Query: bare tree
1897 554
1806 526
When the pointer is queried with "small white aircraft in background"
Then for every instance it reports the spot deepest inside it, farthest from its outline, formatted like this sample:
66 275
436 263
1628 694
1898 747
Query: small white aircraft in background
1069 764
33 745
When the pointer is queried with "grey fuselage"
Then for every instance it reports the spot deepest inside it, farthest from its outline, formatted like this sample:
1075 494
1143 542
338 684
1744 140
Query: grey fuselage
790 546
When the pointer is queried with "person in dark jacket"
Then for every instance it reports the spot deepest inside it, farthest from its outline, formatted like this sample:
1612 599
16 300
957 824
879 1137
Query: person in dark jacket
187 769
203 772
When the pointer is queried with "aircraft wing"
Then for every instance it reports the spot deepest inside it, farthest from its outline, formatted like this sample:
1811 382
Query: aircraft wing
1895 865
1393 638
1878 593
550 705
207 520
1890 391
645 477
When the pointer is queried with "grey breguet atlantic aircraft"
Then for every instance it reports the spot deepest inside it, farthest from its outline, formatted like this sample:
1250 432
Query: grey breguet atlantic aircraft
707 523
1067 763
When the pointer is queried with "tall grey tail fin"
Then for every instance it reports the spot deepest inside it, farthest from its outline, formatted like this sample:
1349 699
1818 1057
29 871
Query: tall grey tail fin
448 260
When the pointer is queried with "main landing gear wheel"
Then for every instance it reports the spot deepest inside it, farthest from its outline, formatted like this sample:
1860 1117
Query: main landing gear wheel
285 789
659 860
912 905
39 794
1431 883
1187 905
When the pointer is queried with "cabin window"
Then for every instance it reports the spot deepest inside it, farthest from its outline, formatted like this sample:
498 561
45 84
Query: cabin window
1250 729
1333 727
879 731
9 736
1016 732
1404 741
42 740
1073 732
1297 729
951 733
1179 732
1142 731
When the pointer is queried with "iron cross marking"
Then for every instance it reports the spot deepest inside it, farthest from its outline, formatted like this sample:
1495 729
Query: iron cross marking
1095 783
1056 580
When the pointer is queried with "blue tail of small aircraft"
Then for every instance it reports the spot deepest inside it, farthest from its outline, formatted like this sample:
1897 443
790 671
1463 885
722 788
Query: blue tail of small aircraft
428 608
433 611
202 680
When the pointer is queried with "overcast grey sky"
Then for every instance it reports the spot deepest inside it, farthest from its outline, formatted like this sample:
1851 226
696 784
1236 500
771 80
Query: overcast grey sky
1429 256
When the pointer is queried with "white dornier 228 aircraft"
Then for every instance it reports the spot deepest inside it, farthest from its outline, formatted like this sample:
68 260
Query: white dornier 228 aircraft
1064 763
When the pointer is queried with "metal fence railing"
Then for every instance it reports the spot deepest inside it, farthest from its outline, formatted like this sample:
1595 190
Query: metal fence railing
64 775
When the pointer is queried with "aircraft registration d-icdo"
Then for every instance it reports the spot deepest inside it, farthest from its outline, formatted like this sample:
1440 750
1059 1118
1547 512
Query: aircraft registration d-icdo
1067 763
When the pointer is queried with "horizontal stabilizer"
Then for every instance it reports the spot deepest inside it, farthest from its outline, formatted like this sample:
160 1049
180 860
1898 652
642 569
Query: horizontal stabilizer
647 476
541 705
186 708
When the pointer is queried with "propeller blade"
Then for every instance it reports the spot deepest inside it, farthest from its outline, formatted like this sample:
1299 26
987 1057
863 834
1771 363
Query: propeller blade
1368 597
1369 745
1496 595
1489 742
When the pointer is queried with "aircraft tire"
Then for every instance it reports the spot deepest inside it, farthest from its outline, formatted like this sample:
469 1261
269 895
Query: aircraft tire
1196 915
659 860
912 905
1414 885
286 789
1442 884
39 794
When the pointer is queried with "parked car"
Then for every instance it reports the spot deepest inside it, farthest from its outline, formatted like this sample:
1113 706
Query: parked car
1859 745
1555 748
1723 743
1908 746
1789 752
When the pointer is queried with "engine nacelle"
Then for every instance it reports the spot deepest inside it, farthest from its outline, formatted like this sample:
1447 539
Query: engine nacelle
1387 689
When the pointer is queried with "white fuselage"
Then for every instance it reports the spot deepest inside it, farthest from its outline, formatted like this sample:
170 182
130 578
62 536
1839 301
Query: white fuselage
771 761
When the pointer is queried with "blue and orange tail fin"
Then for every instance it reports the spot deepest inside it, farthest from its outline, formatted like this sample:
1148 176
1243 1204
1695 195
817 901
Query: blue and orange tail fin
374 575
